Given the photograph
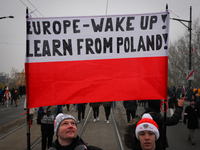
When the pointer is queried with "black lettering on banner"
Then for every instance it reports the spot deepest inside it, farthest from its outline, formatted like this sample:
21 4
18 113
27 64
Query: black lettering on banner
109 25
28 25
119 43
126 44
98 45
89 43
46 26
56 45
79 47
56 27
132 45
36 28
152 21
141 44
129 24
37 48
28 49
97 27
67 47
107 44
46 48
66 24
144 23
150 42
119 23
75 26
158 42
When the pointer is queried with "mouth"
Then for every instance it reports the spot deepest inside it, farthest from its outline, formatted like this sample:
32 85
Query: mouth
70 132
147 144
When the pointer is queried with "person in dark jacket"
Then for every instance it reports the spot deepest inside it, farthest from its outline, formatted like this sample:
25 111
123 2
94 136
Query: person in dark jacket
95 107
154 106
12 94
65 128
47 128
131 107
81 111
172 103
107 106
154 110
15 97
191 114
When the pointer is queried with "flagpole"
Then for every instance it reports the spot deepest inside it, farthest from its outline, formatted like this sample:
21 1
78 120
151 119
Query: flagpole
165 114
27 109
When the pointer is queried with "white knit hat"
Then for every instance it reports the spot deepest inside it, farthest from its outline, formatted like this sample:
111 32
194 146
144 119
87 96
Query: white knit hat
59 118
147 124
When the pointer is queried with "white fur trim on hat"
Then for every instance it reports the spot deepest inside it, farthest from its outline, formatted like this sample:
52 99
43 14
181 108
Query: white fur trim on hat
59 118
147 124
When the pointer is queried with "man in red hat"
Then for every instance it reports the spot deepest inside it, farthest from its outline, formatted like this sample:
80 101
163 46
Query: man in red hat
147 132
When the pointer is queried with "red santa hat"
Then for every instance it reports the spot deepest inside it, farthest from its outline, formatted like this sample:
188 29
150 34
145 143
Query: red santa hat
147 124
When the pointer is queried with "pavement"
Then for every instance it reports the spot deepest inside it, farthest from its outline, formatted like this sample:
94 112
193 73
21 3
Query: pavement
98 133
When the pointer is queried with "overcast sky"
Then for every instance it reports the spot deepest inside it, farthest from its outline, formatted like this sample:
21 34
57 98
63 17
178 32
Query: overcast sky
13 31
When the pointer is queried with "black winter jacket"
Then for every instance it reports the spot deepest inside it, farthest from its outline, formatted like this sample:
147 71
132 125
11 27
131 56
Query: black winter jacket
130 105
191 114
77 144
170 121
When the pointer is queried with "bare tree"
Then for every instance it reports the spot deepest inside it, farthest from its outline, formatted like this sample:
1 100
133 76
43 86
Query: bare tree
178 58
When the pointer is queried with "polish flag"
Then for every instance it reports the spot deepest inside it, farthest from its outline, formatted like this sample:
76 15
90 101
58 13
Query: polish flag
132 69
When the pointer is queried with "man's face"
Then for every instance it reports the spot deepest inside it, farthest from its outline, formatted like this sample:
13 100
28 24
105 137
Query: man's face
192 103
147 140
67 130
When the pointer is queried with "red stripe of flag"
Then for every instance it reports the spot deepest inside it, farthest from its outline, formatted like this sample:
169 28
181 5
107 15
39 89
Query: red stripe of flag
71 82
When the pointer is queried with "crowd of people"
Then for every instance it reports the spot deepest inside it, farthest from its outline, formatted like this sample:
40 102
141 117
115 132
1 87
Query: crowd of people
8 96
150 129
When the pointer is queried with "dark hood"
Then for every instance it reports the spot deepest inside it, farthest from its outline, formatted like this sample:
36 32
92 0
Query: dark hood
153 105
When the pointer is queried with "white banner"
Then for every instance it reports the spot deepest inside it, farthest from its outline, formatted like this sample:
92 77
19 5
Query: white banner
97 37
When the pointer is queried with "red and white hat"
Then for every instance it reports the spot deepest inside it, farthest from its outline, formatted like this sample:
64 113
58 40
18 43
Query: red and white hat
147 124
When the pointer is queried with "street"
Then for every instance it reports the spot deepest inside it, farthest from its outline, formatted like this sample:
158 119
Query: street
11 113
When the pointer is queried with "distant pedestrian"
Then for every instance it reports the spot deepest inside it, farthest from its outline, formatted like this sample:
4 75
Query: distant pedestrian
131 107
47 128
95 108
191 116
107 107
68 105
7 95
197 101
172 103
81 112
1 94
15 97
12 94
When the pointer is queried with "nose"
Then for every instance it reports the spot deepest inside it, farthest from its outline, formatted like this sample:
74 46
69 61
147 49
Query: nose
146 136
